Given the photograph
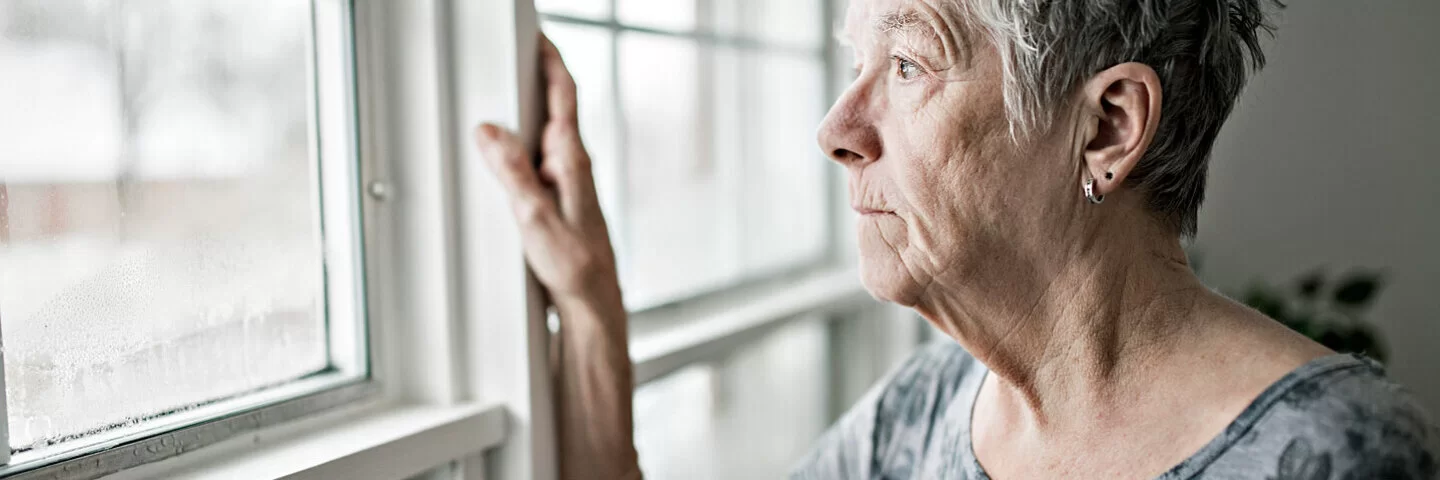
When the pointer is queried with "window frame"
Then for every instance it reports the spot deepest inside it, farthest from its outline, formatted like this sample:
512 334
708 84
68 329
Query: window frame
335 163
417 68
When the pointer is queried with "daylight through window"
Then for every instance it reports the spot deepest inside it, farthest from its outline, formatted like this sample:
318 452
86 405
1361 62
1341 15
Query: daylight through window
700 116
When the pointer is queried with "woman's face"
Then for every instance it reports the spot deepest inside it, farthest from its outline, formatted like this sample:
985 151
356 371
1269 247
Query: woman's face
942 190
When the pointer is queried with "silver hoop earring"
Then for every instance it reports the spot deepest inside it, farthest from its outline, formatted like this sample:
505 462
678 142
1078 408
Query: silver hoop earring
1090 192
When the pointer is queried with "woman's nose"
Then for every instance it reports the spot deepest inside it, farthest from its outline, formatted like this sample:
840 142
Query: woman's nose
848 134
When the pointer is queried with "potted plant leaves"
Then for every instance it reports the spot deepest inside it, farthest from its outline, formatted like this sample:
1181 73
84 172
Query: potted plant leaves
1329 311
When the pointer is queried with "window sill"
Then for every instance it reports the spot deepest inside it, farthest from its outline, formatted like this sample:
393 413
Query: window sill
670 338
394 443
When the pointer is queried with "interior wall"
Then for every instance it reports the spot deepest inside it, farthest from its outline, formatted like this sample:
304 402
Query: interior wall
1330 160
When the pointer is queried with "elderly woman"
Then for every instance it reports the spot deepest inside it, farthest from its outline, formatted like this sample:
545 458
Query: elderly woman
1024 172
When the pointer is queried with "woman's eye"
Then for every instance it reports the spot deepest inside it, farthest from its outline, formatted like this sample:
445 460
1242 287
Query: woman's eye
906 69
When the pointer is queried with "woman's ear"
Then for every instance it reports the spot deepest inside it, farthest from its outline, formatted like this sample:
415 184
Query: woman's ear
1123 104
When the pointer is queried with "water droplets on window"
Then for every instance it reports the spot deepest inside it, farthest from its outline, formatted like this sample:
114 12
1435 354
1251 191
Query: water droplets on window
159 224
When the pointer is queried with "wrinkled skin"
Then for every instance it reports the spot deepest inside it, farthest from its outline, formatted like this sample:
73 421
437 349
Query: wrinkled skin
958 198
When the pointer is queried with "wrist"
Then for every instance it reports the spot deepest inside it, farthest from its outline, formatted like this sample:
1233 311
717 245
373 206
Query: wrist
601 300
597 315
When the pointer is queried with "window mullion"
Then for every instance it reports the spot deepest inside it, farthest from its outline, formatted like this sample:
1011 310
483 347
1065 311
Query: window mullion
417 280
835 194
494 77
620 222
4 401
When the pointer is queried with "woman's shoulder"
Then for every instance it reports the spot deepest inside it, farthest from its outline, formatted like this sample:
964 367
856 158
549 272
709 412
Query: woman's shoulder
1352 393
1340 414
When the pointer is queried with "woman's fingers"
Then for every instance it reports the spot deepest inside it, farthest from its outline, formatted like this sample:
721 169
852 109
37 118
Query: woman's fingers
566 163
571 175
560 86
561 225
567 251
510 162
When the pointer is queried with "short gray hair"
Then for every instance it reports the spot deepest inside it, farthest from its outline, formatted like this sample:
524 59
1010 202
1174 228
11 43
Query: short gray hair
1202 50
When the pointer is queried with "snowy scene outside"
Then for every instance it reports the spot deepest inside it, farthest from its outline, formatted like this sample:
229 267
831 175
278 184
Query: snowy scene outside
160 238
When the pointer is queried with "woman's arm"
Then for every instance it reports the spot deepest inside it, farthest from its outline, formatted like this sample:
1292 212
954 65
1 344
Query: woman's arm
568 248
593 387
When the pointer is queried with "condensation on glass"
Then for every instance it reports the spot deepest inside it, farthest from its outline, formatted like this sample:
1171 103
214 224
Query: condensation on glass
160 239
702 136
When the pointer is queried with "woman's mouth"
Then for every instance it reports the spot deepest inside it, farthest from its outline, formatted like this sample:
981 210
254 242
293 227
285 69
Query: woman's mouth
871 211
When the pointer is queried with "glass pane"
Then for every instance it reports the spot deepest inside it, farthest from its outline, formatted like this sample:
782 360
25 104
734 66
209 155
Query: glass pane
784 174
752 415
794 23
680 213
594 9
791 22
677 15
159 225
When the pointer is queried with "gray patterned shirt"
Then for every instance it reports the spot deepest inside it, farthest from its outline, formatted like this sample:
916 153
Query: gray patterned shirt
1336 417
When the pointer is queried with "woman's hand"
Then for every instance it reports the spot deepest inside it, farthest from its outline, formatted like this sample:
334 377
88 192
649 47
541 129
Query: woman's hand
561 225
569 250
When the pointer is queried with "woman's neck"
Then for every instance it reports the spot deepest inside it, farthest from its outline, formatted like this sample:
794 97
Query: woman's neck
1086 323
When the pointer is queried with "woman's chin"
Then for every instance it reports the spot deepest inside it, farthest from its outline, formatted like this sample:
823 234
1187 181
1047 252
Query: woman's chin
882 268
888 281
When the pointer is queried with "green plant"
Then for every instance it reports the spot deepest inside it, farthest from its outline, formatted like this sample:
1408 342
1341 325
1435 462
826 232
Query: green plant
1329 311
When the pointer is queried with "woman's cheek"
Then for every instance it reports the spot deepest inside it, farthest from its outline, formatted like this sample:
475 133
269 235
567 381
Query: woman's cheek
929 169
910 98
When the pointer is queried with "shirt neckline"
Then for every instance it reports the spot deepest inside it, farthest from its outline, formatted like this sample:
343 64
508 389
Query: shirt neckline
1232 432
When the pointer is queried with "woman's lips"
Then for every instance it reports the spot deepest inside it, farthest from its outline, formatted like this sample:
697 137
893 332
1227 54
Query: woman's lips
871 211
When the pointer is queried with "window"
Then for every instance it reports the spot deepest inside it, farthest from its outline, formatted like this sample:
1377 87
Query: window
219 218
179 219
700 118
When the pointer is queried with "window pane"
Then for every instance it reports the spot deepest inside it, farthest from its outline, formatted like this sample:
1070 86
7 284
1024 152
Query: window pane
793 23
678 15
160 238
784 173
595 9
716 177
752 415
680 213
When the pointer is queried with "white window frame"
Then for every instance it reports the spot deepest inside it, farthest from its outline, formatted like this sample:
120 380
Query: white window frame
459 385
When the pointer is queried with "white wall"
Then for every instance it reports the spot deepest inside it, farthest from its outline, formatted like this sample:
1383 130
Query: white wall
1331 159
